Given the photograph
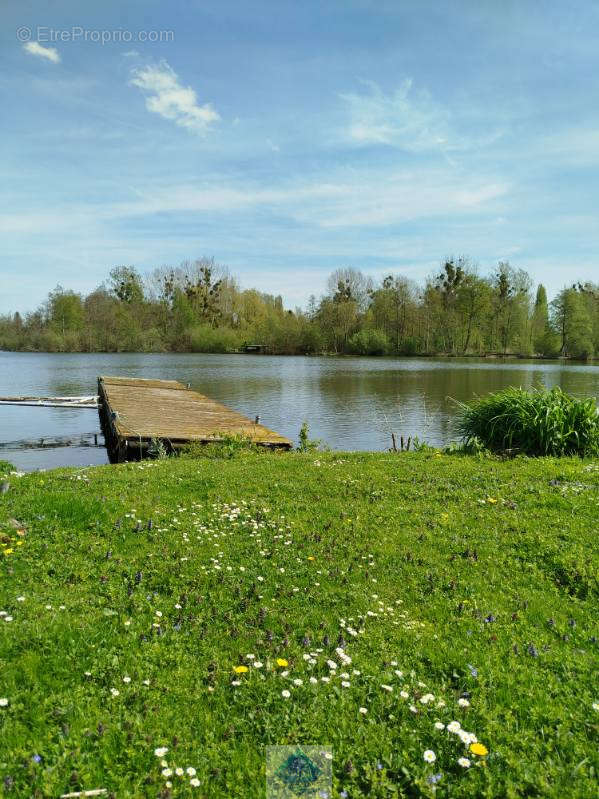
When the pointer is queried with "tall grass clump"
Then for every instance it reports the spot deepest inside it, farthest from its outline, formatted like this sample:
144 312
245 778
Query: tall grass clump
532 422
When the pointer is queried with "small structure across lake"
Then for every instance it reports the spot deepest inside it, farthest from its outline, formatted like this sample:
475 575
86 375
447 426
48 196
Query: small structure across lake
135 412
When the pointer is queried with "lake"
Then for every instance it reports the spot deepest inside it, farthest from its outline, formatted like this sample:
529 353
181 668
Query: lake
349 403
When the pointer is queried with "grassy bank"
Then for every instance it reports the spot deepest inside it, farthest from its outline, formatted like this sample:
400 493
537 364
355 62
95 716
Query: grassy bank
174 604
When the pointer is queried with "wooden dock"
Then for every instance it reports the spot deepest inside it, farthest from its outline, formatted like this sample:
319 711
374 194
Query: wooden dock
135 413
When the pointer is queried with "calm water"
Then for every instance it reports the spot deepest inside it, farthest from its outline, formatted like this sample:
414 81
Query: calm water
350 403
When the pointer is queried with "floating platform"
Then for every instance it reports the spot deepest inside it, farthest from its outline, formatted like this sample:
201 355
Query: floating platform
136 413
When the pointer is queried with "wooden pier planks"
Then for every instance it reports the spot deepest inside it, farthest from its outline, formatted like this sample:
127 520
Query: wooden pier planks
134 411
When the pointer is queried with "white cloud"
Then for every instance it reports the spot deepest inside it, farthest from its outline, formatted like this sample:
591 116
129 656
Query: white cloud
167 97
406 119
35 48
349 200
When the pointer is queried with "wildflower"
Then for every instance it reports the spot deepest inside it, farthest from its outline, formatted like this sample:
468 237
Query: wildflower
434 778
179 771
439 725
479 749
240 669
284 673
398 673
20 599
463 702
325 679
363 711
257 664
345 683
146 682
127 622
387 688
282 662
463 762
161 751
426 698
454 726
298 682
404 694
190 771
126 679
595 705
194 781
285 694
114 692
3 701
235 682
167 772
473 671
429 756
413 709
313 680
250 657
159 613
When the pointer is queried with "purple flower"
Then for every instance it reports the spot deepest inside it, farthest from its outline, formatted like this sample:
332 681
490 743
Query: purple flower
434 778
473 671
37 758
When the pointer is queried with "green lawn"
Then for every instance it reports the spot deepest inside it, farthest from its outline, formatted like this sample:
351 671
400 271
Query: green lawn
444 588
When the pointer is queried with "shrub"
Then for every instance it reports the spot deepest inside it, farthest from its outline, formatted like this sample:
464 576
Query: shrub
532 422
212 339
369 342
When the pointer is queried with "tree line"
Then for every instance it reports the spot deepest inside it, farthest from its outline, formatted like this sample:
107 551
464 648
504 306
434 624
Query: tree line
199 307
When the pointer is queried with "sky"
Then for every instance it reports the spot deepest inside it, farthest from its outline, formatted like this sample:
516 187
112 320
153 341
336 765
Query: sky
288 139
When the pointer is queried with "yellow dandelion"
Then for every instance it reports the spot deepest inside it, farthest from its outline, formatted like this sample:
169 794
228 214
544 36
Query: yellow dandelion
491 500
310 557
282 662
479 749
8 551
240 669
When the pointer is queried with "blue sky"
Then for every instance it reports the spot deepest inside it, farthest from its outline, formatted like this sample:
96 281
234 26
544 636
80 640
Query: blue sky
288 139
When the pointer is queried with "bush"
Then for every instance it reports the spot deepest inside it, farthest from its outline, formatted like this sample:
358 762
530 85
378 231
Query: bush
532 422
213 339
369 342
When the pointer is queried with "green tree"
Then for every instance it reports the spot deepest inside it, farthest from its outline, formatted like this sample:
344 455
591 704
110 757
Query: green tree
126 284
573 320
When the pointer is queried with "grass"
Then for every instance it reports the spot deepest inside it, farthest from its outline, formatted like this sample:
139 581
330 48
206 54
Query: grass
130 594
532 422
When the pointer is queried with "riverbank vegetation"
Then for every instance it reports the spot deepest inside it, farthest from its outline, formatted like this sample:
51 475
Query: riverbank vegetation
431 617
532 423
199 307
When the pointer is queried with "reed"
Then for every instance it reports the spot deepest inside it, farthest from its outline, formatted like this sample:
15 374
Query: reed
532 422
